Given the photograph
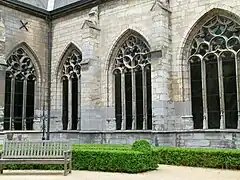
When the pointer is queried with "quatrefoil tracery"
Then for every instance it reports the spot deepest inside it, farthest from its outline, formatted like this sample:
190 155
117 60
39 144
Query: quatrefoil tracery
133 54
20 66
72 66
216 36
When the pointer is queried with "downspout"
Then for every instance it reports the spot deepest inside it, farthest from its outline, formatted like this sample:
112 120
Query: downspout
49 74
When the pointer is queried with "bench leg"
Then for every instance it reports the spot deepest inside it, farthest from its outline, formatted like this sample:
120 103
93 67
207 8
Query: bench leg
70 167
1 169
65 169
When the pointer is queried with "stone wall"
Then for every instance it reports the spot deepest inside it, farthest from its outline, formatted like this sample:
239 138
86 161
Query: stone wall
187 17
33 40
152 22
190 138
97 41
96 32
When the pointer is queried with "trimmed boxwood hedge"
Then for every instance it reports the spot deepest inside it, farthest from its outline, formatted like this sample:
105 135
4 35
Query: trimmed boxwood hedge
197 157
121 158
103 160
142 145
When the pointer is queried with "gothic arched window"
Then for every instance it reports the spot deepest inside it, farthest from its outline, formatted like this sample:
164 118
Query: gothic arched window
71 82
132 71
19 92
214 74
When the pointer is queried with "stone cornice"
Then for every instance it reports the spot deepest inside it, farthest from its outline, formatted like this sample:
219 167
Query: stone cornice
26 8
54 14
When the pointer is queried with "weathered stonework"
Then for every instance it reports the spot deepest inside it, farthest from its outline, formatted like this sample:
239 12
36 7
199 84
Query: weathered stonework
192 138
96 31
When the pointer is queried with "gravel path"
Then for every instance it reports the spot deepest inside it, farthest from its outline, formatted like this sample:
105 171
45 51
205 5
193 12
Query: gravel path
163 173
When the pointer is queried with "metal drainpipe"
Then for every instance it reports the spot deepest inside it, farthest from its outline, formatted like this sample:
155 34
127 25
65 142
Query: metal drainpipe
49 74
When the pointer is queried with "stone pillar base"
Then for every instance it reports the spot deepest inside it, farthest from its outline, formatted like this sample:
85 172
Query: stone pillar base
37 125
1 126
187 122
111 124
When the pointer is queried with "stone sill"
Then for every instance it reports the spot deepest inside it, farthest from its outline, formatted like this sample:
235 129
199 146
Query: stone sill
130 131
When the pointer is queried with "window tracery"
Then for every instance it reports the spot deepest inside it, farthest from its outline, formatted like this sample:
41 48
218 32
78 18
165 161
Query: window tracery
71 76
214 62
19 91
132 71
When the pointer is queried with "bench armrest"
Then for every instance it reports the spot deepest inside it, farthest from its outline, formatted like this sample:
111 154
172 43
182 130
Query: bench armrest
68 154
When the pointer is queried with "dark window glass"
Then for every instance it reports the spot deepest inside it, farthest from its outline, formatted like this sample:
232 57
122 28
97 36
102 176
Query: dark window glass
230 90
74 103
196 94
128 99
149 98
213 100
65 104
139 99
118 101
30 104
18 104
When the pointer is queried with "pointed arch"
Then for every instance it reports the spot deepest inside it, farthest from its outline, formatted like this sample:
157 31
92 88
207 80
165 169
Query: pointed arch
68 50
32 55
119 41
206 15
209 55
69 74
129 75
23 70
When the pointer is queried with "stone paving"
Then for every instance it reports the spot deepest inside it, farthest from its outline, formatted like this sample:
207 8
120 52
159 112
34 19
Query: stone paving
162 173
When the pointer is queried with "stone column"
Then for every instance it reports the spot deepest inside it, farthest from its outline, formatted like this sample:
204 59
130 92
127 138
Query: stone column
162 93
69 103
144 85
24 105
92 113
123 101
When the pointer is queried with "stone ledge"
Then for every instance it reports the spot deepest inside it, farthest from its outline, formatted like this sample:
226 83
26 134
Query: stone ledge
131 131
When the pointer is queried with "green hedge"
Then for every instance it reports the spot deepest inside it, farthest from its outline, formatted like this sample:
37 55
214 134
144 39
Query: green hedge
103 146
142 146
196 157
121 158
103 160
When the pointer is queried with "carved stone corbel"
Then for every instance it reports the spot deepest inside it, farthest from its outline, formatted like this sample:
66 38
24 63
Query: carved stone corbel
161 4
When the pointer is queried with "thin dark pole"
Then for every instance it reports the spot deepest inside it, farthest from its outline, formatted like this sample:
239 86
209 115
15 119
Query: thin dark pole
49 75
43 122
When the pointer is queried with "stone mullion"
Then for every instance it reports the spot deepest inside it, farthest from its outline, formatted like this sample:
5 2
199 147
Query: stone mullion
11 123
237 60
24 104
144 88
60 95
123 127
134 100
79 103
69 103
37 97
204 95
221 94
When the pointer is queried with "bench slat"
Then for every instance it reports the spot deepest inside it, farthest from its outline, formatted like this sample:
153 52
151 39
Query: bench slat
27 149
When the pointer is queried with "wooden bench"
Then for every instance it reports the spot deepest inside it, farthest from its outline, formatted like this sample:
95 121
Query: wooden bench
37 152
